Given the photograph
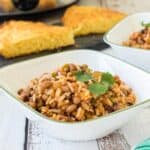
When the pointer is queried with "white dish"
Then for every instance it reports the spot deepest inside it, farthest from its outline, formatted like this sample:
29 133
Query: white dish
121 32
18 75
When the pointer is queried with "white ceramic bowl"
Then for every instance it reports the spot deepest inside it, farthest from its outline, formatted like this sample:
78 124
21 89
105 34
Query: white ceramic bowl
18 75
121 32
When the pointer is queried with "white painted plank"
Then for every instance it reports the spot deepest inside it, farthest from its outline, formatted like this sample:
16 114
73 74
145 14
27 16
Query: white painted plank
12 123
114 141
38 140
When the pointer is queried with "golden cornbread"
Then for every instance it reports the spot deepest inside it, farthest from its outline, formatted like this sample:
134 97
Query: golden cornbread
89 19
23 37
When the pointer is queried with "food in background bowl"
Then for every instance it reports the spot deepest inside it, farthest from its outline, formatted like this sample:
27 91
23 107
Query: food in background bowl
77 93
140 39
137 56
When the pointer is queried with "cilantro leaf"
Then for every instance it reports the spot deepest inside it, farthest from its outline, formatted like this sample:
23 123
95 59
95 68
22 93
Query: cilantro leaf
98 88
107 78
145 24
82 76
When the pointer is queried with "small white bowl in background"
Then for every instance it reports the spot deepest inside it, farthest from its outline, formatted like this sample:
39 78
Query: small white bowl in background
121 32
18 75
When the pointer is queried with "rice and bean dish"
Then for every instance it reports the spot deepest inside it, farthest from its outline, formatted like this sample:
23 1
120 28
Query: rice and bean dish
76 93
140 39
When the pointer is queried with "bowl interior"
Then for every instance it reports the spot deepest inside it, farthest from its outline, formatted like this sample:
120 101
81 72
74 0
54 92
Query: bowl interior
18 75
126 27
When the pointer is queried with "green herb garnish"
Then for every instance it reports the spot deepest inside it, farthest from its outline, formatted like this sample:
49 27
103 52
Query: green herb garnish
98 88
54 74
145 24
107 78
82 76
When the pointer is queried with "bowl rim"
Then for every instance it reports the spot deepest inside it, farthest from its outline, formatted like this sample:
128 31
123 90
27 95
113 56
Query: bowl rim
108 41
41 116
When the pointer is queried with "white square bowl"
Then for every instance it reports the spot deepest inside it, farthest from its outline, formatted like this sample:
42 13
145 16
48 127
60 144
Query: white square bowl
121 32
18 75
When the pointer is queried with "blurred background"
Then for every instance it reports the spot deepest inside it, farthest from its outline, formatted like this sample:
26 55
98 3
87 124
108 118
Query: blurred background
53 9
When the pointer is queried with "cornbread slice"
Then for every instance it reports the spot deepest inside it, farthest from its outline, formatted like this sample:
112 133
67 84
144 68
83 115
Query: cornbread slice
89 19
23 37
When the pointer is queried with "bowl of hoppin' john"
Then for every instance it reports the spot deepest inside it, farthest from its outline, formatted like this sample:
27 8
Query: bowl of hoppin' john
77 95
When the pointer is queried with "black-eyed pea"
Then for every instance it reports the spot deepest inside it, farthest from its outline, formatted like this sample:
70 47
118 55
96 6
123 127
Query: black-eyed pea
45 84
71 108
72 67
65 88
76 100
44 97
24 94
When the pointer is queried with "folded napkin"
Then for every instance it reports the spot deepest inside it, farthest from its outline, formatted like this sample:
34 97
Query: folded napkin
144 145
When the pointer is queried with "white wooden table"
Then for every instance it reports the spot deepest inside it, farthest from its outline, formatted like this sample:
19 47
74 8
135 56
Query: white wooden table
18 133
